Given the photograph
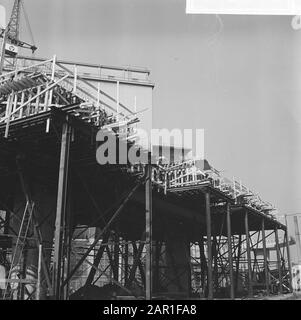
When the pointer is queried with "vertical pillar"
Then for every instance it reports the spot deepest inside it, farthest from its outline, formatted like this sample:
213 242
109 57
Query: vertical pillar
75 79
37 104
52 79
278 260
215 262
148 230
126 261
265 258
250 280
23 274
237 264
98 105
117 100
116 257
21 103
53 67
61 209
203 265
39 281
68 240
229 238
209 246
9 111
189 268
7 222
288 256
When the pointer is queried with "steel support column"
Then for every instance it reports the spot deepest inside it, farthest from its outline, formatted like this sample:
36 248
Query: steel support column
237 264
288 257
23 274
61 209
116 257
288 262
148 231
39 280
265 258
209 246
215 264
126 261
6 226
68 242
229 238
278 261
203 265
250 280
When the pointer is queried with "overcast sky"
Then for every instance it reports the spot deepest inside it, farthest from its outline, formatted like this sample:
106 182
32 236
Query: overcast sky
237 77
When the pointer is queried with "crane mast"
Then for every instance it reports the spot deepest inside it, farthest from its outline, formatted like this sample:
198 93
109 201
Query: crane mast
11 35
14 22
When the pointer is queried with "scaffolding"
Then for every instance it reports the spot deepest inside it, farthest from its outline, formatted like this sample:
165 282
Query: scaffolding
160 230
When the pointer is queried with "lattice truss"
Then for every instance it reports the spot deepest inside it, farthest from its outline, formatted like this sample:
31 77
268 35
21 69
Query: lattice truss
124 262
274 276
193 172
33 89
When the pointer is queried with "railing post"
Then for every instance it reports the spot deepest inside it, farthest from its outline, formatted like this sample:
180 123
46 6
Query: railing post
52 80
8 105
98 94
53 67
75 79
9 111
117 100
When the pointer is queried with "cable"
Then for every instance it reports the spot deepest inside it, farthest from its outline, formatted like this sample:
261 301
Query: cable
28 25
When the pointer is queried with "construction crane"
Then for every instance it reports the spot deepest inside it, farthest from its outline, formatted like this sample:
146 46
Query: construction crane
11 41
